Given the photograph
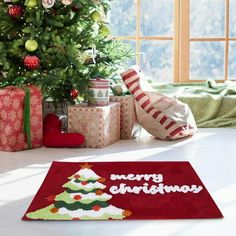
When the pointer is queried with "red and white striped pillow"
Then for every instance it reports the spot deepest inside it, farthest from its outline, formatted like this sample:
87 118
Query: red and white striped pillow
162 116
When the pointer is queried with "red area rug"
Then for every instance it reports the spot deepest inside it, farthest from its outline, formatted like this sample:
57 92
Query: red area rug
122 190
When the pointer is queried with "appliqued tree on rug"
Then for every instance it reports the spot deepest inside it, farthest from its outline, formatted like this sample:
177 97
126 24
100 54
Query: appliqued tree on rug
83 199
58 45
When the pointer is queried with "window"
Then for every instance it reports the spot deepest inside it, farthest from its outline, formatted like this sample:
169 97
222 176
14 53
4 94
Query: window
179 40
136 21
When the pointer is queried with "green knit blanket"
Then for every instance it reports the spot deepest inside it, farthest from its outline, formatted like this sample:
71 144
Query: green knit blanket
212 104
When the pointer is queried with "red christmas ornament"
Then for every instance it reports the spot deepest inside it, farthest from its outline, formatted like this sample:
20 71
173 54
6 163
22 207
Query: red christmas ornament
15 11
77 197
54 210
99 192
74 93
96 208
31 62
84 182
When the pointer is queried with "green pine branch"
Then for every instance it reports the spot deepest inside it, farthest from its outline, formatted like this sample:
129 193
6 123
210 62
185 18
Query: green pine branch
65 38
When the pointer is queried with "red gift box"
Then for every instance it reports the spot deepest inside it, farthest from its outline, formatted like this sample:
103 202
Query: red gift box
13 120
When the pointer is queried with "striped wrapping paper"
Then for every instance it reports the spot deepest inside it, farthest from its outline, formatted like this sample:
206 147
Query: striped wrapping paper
164 117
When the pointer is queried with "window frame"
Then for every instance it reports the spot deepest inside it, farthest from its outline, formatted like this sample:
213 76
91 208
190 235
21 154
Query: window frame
138 38
184 27
181 40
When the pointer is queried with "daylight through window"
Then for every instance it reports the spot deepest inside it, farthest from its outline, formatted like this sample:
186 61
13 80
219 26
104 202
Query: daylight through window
179 40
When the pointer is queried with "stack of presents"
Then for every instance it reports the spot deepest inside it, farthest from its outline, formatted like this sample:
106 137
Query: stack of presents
23 113
103 121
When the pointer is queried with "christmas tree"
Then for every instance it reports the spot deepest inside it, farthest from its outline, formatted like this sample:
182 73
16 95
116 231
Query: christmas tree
83 199
58 45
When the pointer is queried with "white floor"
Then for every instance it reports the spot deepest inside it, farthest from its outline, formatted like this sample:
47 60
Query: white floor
212 153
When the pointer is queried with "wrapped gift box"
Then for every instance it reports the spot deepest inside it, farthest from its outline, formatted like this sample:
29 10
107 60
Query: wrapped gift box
99 124
12 120
129 128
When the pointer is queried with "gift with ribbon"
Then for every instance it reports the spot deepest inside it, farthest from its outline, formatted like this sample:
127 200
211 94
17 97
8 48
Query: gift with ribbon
20 118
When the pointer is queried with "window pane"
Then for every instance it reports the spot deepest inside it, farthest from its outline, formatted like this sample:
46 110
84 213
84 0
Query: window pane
207 18
157 17
206 60
156 60
122 17
232 60
232 18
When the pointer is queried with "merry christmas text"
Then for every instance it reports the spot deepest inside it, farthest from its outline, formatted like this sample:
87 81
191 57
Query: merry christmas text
154 189
147 188
157 178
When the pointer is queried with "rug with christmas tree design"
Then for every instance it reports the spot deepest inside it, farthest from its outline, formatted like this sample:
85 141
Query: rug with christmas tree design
122 190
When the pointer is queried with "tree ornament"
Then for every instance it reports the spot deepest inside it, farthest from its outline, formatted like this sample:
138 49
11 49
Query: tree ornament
31 3
96 208
99 192
31 62
66 2
54 210
96 16
74 93
84 182
104 30
31 45
117 90
77 197
15 11
48 3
